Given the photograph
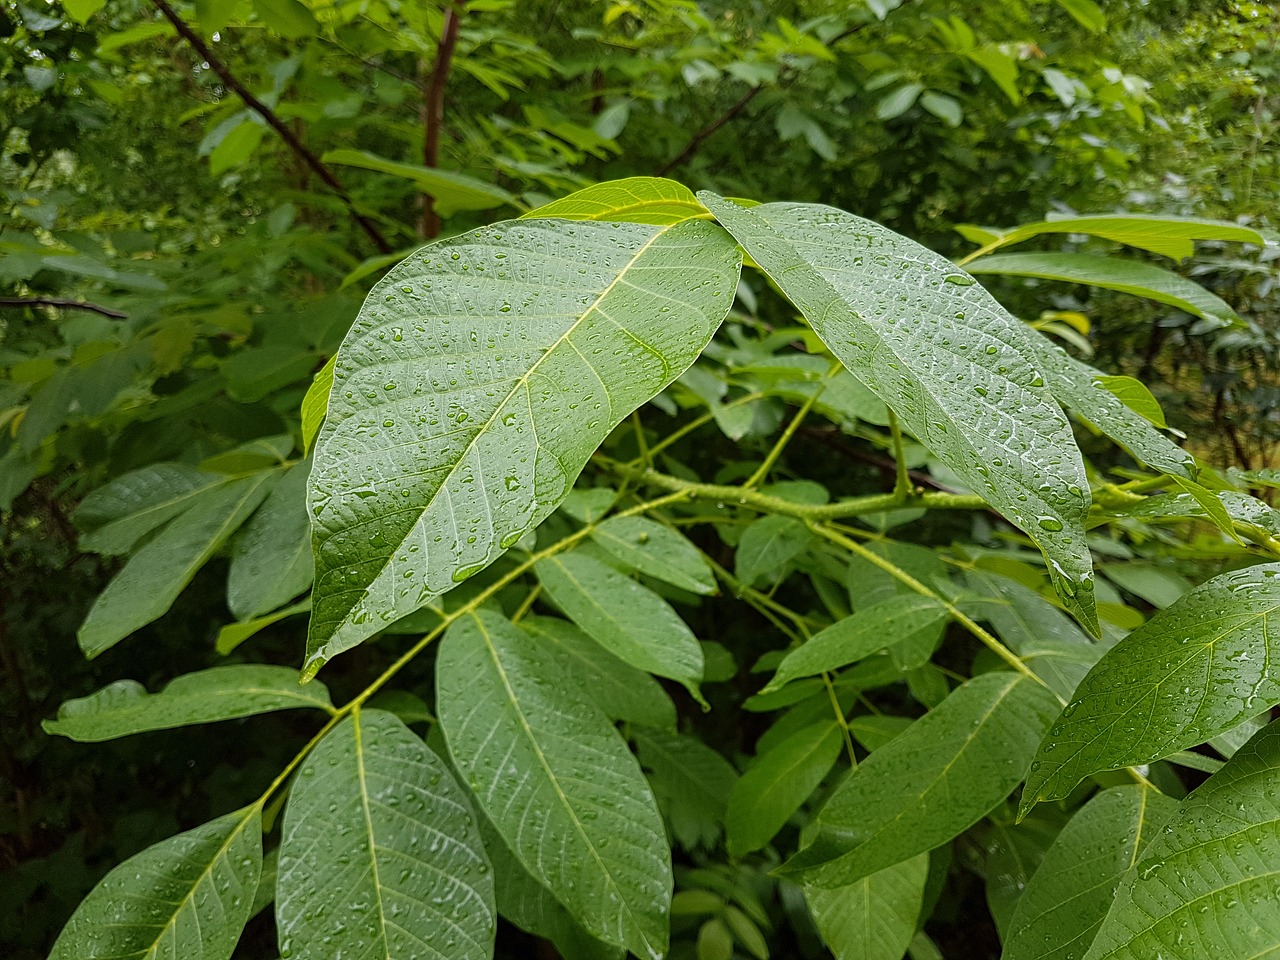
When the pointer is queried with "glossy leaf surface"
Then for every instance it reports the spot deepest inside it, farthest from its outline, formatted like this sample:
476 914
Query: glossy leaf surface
634 200
480 376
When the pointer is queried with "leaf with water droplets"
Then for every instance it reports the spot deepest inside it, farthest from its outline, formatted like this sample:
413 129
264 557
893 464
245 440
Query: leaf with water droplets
271 557
872 918
556 780
189 896
1209 883
634 200
930 783
1060 911
381 855
480 376
958 370
648 547
1191 672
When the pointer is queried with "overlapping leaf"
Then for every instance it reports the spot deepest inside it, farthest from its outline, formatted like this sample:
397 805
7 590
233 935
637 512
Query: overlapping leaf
956 368
1209 883
271 558
557 781
381 856
1062 907
188 896
693 784
1191 672
115 517
635 200
929 784
873 918
478 379
220 693
451 191
1170 236
657 551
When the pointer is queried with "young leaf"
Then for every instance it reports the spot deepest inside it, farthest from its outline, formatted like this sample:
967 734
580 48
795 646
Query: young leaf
380 854
1083 389
620 690
775 786
188 896
1127 276
873 918
635 200
234 634
1062 907
513 353
1192 671
315 403
859 635
623 616
1206 886
1170 236
158 571
693 784
657 551
927 785
220 693
952 363
556 780
768 544
271 557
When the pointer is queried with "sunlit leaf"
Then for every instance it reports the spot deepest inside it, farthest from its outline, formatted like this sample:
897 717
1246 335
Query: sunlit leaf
635 200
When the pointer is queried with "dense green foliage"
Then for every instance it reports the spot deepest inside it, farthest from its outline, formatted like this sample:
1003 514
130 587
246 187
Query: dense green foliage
630 569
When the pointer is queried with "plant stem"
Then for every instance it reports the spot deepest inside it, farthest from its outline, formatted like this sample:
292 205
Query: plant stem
772 457
844 724
902 484
433 112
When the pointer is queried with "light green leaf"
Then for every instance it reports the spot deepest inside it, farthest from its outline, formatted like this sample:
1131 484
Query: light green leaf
620 690
1209 883
556 780
774 787
937 348
289 18
158 571
315 404
1086 13
895 104
81 10
623 616
1159 586
1191 672
452 192
1135 395
693 784
220 693
188 896
767 545
1127 276
1083 389
1170 236
927 785
873 918
117 516
657 551
945 108
1062 907
1001 68
635 200
234 634
380 854
271 556
550 331
859 635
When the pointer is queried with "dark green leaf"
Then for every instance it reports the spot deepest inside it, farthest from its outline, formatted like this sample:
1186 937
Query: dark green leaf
117 516
693 784
452 192
872 918
271 556
767 545
657 551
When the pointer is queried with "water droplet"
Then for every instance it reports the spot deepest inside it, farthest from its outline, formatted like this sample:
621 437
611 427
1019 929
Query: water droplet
1052 524
959 279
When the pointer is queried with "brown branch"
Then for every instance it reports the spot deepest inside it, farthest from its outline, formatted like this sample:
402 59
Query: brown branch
433 112
274 122
61 305
696 141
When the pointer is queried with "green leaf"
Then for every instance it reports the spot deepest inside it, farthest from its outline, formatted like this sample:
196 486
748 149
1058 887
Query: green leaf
945 108
657 551
1191 672
220 693
452 192
937 348
1127 276
693 784
1001 68
929 784
620 690
289 18
117 516
859 635
1063 905
635 200
1086 13
552 340
557 781
1135 395
234 634
271 556
380 854
873 918
1170 236
895 104
81 10
1013 852
188 896
774 787
623 616
767 545
315 404
158 571
213 15
1207 884
1084 390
